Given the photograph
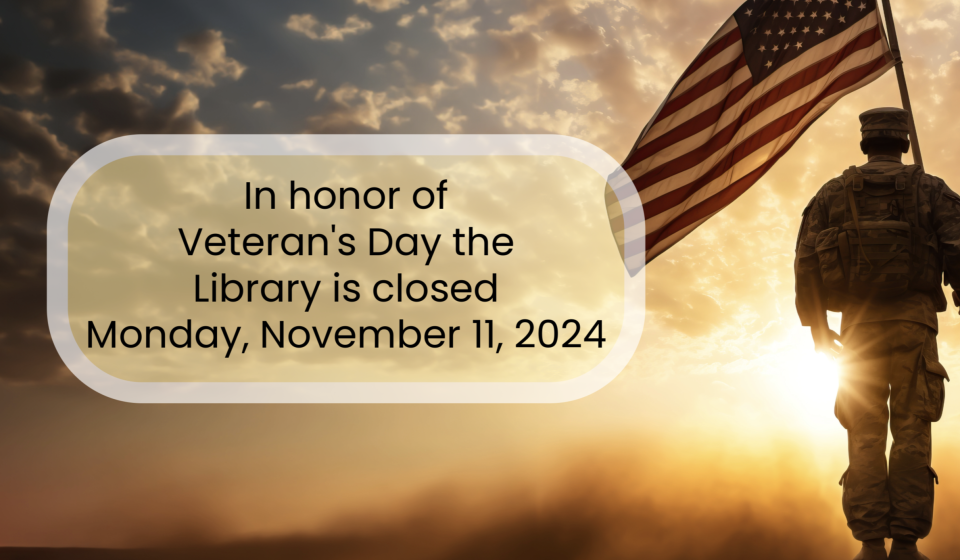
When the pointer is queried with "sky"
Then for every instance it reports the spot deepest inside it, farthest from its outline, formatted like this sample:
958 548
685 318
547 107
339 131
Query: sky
724 407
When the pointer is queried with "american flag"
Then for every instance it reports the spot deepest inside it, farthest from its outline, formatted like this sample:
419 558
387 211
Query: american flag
771 70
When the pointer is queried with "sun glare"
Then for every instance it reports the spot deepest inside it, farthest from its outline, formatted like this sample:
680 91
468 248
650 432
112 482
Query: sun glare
815 378
807 383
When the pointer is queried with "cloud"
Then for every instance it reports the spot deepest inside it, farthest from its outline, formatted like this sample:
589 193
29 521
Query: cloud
452 120
108 114
353 109
540 39
405 20
103 105
456 29
45 157
63 82
209 56
208 52
302 84
265 105
308 25
81 22
615 74
32 160
394 47
319 94
451 5
513 54
581 92
356 109
462 70
304 23
925 24
19 76
382 5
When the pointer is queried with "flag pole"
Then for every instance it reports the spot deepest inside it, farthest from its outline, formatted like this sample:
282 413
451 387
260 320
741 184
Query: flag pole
902 81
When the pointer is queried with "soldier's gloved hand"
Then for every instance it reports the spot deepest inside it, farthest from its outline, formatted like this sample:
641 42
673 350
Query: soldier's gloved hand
825 341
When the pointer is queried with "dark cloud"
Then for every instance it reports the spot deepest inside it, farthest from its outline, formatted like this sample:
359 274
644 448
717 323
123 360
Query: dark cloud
100 105
82 22
36 153
31 162
60 82
111 113
19 76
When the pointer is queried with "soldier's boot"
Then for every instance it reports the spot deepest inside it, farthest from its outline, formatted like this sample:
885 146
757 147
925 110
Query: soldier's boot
872 550
906 550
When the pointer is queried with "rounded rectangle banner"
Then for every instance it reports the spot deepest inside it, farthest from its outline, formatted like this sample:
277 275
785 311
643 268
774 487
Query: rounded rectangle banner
342 268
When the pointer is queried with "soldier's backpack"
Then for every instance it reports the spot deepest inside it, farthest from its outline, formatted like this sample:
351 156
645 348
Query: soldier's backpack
880 251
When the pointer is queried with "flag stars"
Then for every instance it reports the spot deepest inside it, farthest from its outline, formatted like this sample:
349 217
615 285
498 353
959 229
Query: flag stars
789 16
806 30
813 15
776 15
827 15
793 30
843 19
781 33
848 4
862 6
768 64
799 44
763 48
776 48
819 31
767 32
749 12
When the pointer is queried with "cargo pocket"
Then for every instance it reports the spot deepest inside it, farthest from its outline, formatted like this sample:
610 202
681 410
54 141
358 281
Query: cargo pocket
830 259
929 389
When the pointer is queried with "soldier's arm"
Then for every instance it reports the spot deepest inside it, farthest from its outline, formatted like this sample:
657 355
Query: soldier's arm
811 296
806 267
946 222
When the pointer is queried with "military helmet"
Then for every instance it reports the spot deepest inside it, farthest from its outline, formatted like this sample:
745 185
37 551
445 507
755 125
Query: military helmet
885 122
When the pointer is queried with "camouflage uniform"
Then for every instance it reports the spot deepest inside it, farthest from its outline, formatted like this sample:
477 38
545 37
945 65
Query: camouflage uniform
889 352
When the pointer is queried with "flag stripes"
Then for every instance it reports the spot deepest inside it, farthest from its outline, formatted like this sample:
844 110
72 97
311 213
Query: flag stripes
718 132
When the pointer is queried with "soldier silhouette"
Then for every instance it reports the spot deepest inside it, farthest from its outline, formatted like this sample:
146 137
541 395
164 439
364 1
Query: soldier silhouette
874 244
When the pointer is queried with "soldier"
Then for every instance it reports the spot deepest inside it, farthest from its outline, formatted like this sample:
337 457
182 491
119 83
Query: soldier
873 245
